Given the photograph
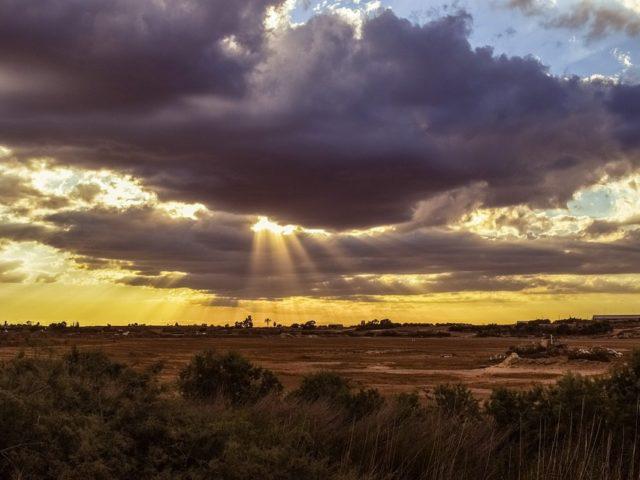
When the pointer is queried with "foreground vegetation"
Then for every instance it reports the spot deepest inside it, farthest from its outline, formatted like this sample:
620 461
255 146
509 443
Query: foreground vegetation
83 416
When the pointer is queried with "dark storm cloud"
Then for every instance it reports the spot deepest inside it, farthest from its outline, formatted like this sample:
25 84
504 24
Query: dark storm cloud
313 126
215 254
22 231
599 20
624 102
151 241
90 55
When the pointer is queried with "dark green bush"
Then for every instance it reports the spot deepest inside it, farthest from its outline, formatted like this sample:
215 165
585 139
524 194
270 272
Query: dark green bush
363 402
620 393
514 408
230 376
600 415
612 401
83 416
323 386
336 390
408 404
456 400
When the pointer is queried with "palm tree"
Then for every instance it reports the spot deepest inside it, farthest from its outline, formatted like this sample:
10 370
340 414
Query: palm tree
267 321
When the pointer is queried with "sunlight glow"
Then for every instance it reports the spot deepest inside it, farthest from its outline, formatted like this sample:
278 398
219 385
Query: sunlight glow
265 225
87 189
189 211
371 231
4 151
279 17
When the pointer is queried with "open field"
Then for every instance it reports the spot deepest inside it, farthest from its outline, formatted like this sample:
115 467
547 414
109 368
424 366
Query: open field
390 364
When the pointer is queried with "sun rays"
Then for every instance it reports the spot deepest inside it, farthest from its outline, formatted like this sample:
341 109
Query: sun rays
278 258
288 259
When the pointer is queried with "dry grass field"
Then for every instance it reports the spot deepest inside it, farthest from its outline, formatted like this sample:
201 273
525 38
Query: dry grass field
390 364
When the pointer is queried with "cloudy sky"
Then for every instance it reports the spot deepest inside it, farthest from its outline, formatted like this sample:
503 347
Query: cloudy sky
200 160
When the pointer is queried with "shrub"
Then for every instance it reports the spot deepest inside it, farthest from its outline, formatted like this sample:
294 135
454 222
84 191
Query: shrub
336 390
323 386
83 416
512 408
537 350
363 402
407 404
230 376
93 363
611 402
621 393
456 400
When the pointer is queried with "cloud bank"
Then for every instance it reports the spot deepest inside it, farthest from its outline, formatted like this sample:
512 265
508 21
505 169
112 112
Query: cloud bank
323 125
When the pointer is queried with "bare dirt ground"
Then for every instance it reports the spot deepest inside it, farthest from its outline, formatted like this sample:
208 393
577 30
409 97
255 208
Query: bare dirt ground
390 364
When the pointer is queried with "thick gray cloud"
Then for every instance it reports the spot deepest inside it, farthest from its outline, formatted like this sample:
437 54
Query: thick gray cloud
320 125
216 253
624 102
313 125
83 56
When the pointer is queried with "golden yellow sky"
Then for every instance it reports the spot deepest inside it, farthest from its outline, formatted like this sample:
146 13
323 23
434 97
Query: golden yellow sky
117 305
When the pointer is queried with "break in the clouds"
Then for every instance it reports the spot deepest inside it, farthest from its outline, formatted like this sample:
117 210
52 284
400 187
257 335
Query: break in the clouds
145 139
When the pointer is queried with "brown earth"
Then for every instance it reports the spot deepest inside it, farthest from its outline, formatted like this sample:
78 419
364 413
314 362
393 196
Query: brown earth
387 363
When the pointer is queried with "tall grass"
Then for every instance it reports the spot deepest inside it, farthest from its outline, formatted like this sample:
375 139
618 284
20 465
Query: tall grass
84 416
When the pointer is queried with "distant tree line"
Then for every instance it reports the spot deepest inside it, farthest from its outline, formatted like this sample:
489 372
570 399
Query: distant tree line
537 327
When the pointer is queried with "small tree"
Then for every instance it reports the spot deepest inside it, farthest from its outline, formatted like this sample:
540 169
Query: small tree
246 323
57 327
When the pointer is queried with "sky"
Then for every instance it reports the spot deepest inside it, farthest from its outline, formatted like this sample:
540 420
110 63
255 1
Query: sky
198 161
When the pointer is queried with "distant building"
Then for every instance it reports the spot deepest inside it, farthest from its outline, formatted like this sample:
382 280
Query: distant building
616 318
